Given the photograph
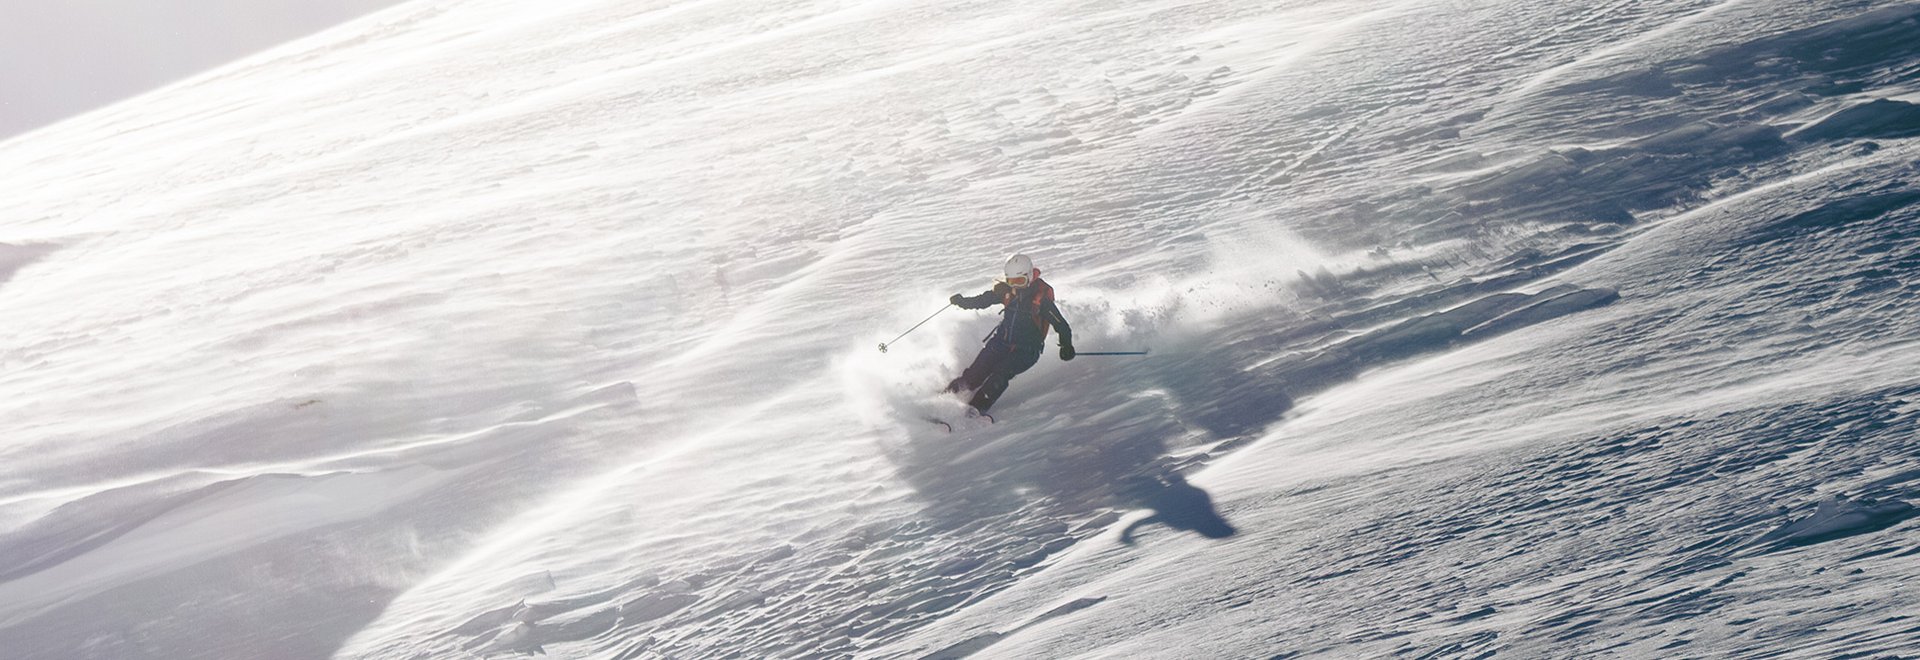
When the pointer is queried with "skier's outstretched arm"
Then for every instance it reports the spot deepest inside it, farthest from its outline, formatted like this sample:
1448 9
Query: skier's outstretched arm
987 299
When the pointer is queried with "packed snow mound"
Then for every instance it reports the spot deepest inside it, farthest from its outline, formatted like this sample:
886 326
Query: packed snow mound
1838 516
1480 319
14 257
1878 118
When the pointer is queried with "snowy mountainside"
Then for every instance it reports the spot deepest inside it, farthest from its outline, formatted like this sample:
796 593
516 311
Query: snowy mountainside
483 329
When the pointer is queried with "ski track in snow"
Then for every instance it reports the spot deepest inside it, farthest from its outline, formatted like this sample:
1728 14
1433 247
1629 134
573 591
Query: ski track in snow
485 328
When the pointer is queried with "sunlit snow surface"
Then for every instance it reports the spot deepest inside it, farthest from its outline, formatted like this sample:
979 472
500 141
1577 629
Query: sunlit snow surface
485 328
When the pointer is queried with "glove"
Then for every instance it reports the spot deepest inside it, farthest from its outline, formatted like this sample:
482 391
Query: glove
1066 350
957 300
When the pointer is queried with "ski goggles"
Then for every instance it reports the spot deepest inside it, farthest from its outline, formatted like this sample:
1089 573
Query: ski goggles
1017 281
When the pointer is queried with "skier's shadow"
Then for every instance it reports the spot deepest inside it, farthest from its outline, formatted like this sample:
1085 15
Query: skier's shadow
1046 477
1176 504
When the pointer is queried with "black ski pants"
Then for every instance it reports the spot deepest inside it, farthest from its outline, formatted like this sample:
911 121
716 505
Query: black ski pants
996 364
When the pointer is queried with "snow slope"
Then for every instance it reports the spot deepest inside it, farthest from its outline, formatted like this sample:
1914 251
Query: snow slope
485 328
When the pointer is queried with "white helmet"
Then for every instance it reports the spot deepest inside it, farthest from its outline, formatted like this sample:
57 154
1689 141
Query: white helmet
1019 271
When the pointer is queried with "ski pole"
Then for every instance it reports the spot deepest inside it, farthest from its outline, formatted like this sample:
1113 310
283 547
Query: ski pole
916 326
1079 353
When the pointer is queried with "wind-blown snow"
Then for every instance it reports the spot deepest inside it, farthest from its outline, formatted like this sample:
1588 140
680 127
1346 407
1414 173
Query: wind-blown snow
485 328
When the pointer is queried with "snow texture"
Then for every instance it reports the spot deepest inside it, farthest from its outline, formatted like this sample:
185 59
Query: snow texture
481 329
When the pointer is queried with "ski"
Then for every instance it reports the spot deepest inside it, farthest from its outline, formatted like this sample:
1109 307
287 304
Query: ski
970 415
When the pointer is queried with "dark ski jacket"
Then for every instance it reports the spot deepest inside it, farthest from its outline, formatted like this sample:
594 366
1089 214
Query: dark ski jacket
1029 312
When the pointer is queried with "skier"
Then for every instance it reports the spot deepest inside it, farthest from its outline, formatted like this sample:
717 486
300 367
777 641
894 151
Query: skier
1015 345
